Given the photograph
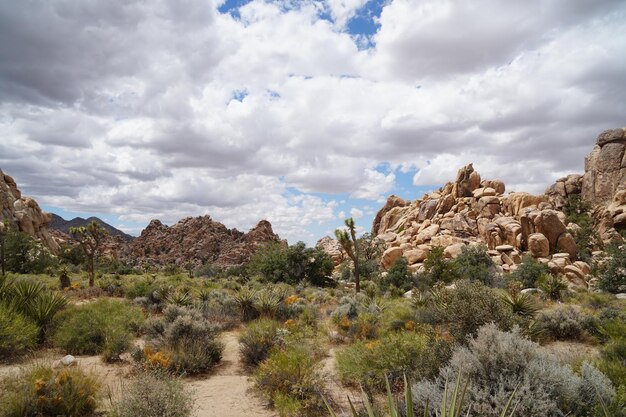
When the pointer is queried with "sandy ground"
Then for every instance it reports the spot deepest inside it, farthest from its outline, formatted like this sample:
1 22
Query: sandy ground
227 391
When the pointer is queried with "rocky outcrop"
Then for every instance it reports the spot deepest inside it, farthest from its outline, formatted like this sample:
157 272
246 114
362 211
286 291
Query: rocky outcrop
332 248
605 168
196 240
392 202
471 211
24 213
564 188
604 183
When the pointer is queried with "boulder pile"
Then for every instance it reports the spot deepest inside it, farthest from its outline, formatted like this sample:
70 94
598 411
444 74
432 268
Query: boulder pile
474 211
196 241
24 213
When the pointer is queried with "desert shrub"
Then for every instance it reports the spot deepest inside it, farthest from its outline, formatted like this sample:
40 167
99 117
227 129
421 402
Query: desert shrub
41 390
18 334
612 271
152 394
275 263
139 288
398 276
24 255
475 264
552 286
437 268
182 341
394 355
104 326
469 306
256 341
498 363
358 316
246 300
521 304
566 323
529 271
612 360
218 307
34 301
290 378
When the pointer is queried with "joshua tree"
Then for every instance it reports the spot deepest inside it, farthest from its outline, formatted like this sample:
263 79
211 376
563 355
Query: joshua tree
347 240
90 238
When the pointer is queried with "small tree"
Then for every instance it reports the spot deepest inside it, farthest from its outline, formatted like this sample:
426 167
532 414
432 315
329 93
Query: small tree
90 238
347 240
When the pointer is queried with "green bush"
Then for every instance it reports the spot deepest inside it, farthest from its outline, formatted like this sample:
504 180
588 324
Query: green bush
275 263
104 326
18 334
256 341
498 364
394 355
437 268
612 272
577 211
469 306
153 395
398 276
25 255
613 357
474 264
529 272
290 378
40 390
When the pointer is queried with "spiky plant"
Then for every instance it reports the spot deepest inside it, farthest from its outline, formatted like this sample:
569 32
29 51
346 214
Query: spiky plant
181 298
520 304
43 309
552 286
267 304
347 240
246 300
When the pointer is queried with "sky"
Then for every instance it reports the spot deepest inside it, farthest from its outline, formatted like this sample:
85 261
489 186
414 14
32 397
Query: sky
299 112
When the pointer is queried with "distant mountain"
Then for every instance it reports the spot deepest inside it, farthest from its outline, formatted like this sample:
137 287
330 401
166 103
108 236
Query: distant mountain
59 223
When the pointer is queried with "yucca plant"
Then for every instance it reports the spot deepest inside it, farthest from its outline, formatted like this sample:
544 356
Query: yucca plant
246 300
23 293
552 286
180 298
451 404
520 304
267 304
43 309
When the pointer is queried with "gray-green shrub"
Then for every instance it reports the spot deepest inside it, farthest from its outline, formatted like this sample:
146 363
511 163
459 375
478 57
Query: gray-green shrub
498 363
153 395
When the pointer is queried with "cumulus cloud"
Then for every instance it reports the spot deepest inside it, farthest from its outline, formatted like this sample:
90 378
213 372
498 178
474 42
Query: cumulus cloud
160 109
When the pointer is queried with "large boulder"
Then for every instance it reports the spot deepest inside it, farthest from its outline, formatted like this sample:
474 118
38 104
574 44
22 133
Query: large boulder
332 248
538 245
390 256
605 168
392 202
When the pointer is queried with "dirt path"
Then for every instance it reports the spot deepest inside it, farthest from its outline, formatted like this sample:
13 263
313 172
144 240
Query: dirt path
338 392
227 392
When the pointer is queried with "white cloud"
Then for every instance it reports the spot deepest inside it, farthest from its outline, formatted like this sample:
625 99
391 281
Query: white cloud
145 121
355 213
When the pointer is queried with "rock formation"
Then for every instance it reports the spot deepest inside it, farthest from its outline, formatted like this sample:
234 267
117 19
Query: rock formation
196 240
471 211
333 249
24 213
604 183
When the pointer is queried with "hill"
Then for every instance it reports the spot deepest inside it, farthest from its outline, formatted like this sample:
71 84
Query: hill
59 223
